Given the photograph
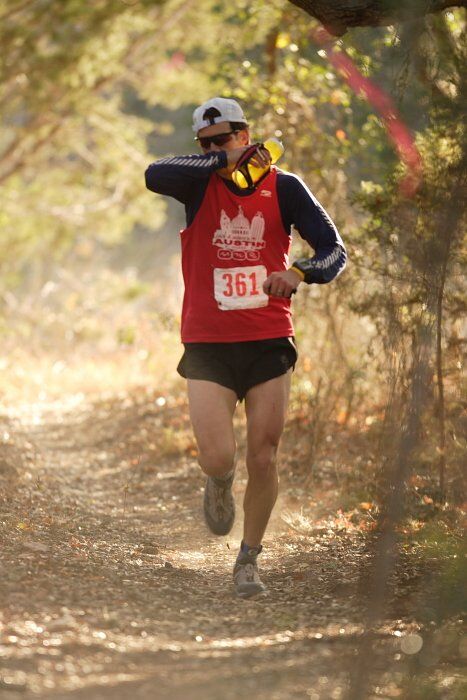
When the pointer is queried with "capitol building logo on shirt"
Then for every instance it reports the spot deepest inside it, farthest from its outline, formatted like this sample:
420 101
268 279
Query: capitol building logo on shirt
238 239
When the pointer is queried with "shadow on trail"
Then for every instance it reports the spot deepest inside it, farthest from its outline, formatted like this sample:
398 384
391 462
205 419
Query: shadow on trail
113 587
264 670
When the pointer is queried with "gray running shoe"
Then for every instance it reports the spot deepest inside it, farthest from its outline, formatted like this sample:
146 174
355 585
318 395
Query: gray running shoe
219 505
246 576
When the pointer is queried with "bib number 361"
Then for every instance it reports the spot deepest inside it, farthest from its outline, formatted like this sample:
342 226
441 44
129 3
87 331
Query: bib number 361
240 287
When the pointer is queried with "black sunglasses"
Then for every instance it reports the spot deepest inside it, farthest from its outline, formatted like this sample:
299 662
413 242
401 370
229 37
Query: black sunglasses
217 139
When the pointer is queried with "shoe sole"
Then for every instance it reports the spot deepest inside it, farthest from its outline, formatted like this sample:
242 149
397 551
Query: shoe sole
215 529
251 591
219 529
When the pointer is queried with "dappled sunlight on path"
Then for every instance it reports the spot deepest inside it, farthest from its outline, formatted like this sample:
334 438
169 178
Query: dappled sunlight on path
113 587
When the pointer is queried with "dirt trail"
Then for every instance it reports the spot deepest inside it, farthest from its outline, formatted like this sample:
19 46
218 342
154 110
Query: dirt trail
112 586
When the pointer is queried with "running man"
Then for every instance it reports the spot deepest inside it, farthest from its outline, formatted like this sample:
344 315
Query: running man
236 319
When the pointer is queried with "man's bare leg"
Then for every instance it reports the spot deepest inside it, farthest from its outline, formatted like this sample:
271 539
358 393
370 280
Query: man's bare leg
266 409
211 410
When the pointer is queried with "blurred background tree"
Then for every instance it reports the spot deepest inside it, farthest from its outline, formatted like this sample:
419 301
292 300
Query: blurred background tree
91 93
90 286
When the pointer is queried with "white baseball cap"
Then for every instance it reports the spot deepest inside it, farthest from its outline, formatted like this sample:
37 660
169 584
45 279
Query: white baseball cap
215 110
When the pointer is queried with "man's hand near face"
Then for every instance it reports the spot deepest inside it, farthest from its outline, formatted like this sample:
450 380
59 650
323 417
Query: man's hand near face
261 159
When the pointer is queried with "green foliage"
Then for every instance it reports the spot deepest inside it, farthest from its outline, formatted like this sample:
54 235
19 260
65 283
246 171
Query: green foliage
71 158
87 90
443 552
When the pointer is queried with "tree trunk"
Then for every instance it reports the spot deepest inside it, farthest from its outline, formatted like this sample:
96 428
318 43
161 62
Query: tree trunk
338 16
450 225
378 587
440 380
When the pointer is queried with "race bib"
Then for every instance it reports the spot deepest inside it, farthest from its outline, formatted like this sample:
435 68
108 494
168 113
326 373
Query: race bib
240 287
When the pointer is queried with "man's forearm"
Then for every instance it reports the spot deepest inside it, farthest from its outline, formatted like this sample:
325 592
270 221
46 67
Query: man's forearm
323 267
169 175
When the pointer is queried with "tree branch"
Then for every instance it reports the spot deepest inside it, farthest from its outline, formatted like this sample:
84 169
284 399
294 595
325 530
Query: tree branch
338 16
28 141
15 10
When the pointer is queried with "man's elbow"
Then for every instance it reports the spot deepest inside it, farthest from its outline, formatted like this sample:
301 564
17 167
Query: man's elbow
150 177
338 262
341 261
343 257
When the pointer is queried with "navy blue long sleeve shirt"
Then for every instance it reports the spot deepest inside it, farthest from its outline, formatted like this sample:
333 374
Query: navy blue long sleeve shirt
185 178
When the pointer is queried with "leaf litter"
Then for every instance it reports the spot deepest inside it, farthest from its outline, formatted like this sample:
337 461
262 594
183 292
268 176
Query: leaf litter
112 587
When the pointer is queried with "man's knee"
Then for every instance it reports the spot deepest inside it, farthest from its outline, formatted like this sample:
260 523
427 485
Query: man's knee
261 461
216 460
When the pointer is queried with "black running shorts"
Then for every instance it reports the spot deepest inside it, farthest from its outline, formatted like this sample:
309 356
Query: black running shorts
238 366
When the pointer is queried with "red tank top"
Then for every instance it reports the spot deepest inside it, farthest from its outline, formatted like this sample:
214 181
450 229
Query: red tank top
230 248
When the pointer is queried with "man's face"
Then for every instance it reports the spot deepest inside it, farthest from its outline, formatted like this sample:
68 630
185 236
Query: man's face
234 140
